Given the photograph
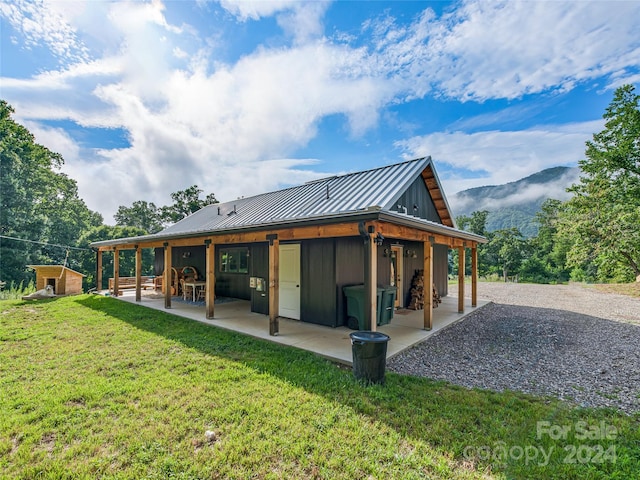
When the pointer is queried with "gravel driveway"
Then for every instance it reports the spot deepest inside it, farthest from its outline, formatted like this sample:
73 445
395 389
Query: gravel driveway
572 342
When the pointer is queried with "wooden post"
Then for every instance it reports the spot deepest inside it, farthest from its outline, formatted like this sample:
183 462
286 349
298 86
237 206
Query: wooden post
138 274
373 285
116 272
98 270
428 285
461 264
166 281
274 284
474 276
210 266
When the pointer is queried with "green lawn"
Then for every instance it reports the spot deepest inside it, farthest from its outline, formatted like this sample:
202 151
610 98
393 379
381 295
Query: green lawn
630 289
91 387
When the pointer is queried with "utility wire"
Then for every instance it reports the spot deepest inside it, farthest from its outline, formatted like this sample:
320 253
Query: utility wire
66 247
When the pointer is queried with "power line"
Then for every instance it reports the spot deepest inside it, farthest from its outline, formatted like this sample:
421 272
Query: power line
66 247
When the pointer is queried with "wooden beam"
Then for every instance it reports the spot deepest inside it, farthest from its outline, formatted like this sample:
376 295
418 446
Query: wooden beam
138 274
210 294
371 284
436 195
116 272
274 285
350 229
98 270
390 230
461 264
428 282
166 281
474 276
291 233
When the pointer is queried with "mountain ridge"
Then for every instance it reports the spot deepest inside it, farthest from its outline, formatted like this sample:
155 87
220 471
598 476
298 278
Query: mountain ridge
515 204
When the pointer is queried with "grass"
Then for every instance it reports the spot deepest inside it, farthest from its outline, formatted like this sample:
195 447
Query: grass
630 289
92 387
15 292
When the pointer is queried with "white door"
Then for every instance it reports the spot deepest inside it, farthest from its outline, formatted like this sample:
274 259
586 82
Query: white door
289 273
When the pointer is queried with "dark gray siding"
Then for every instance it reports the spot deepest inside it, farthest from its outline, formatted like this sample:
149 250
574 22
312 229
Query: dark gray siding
318 280
182 257
349 271
259 267
418 195
441 269
411 265
234 285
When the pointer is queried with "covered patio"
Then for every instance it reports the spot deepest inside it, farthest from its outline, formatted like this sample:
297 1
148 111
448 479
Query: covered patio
405 330
290 254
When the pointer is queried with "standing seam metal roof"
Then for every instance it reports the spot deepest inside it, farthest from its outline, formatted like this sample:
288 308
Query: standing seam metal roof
350 192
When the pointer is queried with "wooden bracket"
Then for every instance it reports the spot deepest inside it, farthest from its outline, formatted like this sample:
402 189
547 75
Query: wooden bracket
271 237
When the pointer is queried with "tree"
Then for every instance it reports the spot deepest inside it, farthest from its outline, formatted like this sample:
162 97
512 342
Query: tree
185 202
152 219
509 248
602 220
548 254
38 203
85 262
476 223
142 215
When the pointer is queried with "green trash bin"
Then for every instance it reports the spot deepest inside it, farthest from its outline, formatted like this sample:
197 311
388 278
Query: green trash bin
355 306
388 305
369 352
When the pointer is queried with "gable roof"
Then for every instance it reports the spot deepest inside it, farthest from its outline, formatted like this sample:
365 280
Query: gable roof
369 193
56 268
379 187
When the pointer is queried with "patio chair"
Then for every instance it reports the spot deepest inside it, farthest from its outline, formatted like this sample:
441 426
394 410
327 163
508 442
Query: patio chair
186 289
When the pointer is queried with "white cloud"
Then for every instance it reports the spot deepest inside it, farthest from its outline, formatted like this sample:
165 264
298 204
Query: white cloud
56 140
226 131
507 49
255 9
233 127
304 22
497 157
301 20
42 22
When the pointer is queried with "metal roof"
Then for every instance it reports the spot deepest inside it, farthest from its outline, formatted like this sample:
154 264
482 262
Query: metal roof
344 195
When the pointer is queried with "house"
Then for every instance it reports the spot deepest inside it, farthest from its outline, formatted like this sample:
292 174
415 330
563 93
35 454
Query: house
63 280
290 252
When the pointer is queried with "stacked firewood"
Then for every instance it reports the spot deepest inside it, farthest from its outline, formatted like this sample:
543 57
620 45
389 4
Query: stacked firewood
417 292
436 297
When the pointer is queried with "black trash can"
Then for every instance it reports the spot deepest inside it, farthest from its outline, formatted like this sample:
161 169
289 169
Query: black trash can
369 351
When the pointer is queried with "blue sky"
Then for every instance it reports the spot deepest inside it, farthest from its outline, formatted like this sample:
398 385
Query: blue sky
146 98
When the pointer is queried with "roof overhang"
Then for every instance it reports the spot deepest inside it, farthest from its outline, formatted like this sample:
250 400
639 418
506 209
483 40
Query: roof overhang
62 267
432 182
371 214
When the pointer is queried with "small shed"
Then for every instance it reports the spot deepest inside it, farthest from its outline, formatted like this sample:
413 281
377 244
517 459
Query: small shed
63 280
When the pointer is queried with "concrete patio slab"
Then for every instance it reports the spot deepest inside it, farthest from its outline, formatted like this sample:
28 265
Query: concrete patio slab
405 329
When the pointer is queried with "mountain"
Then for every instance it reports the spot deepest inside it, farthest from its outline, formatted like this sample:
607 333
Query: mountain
515 204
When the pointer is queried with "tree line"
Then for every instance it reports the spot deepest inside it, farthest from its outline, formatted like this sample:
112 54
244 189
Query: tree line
43 220
594 236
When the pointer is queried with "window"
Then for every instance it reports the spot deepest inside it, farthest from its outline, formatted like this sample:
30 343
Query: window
234 260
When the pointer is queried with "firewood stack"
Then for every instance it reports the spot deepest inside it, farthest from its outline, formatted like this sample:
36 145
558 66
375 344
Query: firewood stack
417 292
436 297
